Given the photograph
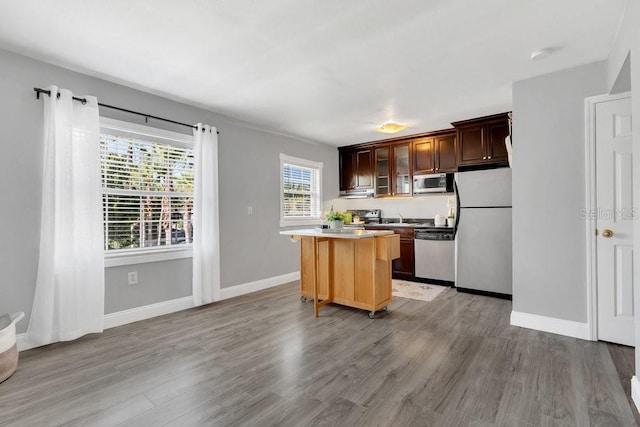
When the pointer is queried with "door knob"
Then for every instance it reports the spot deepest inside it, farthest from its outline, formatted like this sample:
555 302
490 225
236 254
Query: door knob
607 233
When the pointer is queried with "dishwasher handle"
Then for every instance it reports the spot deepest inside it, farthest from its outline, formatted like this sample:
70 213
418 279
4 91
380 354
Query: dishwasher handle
421 235
429 235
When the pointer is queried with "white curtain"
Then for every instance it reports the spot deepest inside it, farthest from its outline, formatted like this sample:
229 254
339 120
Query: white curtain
206 250
69 296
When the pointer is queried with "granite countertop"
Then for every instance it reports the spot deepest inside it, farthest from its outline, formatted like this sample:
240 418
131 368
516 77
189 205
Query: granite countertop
408 225
334 234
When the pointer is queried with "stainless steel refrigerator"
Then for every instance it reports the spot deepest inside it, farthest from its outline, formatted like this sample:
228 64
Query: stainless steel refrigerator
483 236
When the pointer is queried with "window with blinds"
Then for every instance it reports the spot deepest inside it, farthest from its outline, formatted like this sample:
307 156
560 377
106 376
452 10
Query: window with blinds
301 191
147 191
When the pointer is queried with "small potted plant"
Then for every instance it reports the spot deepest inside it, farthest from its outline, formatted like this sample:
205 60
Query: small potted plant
451 218
335 220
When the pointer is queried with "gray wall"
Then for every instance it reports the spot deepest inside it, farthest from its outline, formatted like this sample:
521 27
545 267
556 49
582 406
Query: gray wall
251 248
549 237
157 281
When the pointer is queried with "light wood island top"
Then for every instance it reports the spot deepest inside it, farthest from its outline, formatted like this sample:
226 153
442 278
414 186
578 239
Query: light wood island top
343 234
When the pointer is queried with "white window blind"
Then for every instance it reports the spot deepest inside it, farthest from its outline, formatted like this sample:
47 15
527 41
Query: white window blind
301 184
147 188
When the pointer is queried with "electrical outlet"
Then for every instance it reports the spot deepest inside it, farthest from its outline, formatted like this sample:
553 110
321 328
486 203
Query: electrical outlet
133 277
250 210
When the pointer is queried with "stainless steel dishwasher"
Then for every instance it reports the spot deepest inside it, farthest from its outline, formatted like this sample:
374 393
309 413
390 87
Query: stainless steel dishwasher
434 251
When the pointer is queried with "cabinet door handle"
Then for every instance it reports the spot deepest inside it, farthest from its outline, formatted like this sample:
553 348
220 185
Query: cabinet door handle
489 157
437 169
484 157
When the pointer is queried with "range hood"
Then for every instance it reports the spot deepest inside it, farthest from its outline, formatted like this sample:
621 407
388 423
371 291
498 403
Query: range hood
356 194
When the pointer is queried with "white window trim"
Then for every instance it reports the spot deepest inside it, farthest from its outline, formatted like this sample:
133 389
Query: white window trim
290 222
143 256
116 258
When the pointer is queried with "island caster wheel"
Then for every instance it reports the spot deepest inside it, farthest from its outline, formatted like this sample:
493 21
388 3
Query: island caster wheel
372 315
384 309
303 299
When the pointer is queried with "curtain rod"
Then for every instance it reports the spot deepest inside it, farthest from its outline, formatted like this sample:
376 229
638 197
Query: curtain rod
146 116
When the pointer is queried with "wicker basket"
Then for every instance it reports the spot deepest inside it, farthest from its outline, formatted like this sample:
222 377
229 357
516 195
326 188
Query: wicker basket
8 347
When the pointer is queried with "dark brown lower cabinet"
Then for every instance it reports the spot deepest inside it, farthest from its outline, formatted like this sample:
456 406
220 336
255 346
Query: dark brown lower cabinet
404 267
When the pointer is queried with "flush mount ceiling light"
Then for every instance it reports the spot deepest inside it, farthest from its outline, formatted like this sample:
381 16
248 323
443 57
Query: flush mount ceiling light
390 128
541 53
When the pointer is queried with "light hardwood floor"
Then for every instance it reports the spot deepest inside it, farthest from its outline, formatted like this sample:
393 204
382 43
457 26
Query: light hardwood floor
263 359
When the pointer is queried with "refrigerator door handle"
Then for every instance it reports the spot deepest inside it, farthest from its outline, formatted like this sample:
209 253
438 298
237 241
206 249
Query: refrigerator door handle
455 189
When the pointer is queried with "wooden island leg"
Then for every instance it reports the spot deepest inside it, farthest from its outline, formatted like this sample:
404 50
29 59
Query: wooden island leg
315 276
317 241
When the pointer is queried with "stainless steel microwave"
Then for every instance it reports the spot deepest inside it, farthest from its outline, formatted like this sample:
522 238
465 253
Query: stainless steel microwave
435 183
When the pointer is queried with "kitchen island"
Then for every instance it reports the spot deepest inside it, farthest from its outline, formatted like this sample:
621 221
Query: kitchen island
348 267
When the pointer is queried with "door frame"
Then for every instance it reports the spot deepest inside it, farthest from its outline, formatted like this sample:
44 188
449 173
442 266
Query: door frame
590 104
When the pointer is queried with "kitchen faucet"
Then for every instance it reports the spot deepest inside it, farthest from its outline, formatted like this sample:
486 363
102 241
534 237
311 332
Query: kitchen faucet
401 218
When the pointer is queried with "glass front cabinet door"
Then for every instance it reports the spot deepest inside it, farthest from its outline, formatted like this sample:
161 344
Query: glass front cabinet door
401 168
393 177
383 172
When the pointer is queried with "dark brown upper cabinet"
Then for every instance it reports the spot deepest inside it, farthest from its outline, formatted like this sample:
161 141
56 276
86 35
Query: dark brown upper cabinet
347 170
424 155
393 170
498 132
382 175
401 178
481 141
387 167
435 154
356 169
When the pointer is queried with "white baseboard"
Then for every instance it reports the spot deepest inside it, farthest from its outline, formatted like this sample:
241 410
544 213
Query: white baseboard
120 318
550 324
131 315
136 314
635 391
258 285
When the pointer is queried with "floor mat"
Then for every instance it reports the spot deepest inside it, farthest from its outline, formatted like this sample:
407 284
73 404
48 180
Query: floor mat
413 290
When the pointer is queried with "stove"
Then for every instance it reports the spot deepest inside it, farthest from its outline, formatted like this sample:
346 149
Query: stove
368 216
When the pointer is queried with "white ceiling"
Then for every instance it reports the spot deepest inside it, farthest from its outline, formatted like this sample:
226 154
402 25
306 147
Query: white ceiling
329 70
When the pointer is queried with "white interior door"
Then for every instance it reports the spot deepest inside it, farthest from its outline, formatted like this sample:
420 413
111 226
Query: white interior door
614 221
